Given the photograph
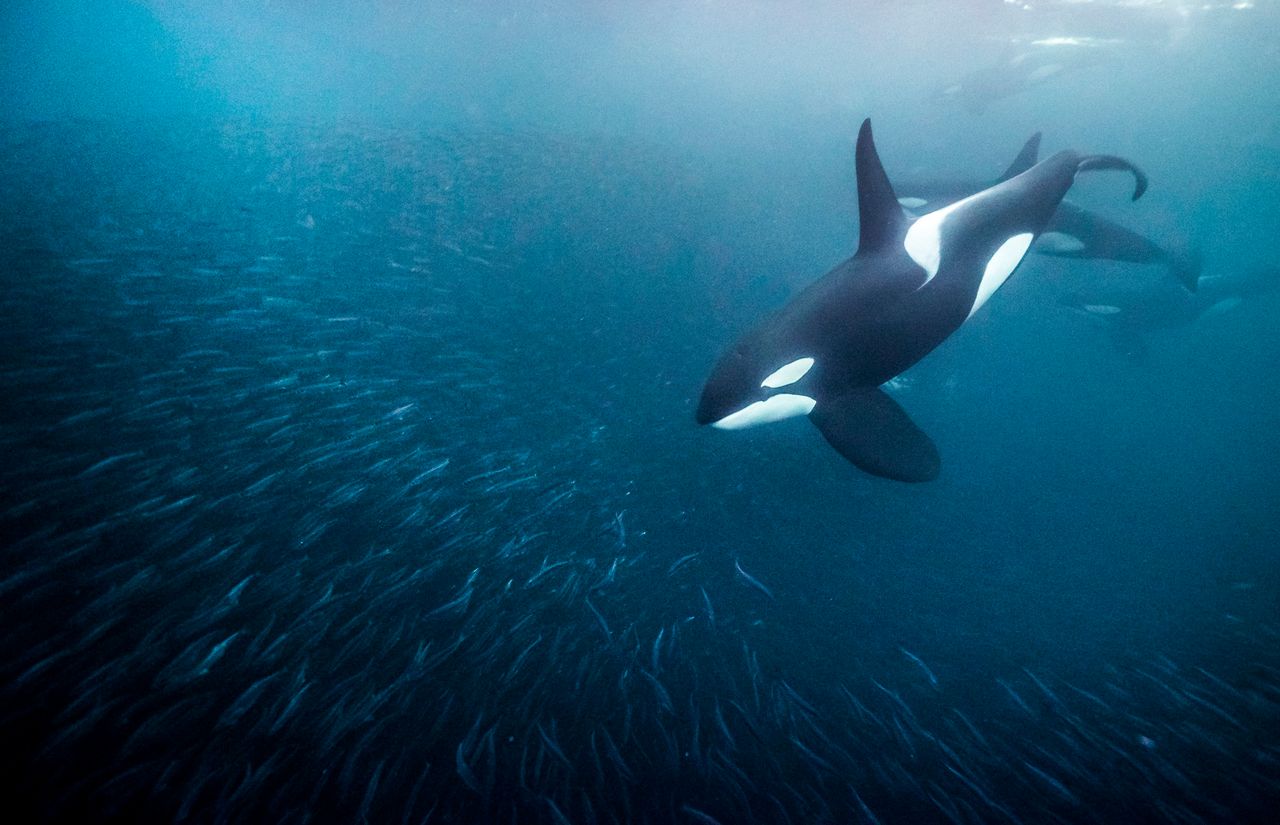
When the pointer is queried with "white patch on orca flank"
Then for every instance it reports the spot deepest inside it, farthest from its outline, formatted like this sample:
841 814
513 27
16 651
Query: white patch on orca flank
1001 266
1101 309
788 374
912 203
773 408
1059 242
923 241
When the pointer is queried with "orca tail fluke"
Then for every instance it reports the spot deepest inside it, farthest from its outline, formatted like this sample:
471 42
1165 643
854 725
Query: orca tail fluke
1111 162
876 435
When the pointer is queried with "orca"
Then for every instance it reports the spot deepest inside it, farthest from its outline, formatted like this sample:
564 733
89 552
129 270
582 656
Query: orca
1073 231
1129 315
910 284
1017 71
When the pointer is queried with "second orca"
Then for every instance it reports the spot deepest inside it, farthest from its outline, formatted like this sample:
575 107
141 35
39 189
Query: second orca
1072 232
911 283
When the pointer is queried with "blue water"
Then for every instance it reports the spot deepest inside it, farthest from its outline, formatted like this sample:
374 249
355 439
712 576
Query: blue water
349 361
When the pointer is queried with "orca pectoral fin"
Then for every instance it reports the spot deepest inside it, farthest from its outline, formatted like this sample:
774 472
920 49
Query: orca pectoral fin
1118 164
869 429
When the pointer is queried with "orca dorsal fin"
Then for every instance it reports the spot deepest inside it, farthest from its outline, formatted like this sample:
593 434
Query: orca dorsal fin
880 217
1025 159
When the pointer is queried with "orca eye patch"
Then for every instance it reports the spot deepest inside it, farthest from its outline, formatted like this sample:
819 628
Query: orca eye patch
788 373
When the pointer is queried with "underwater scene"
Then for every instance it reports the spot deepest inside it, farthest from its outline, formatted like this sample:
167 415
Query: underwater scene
706 412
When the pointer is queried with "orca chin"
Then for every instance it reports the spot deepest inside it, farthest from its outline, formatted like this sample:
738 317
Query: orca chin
774 408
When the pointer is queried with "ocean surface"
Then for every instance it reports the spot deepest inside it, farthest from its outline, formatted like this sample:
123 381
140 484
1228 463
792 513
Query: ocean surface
350 471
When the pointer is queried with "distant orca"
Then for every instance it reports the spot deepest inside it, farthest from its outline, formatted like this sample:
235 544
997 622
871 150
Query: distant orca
1073 232
1017 71
1128 315
911 284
